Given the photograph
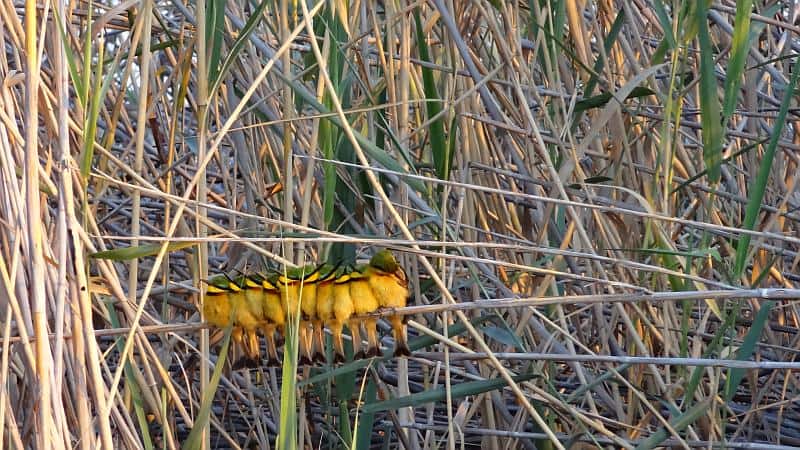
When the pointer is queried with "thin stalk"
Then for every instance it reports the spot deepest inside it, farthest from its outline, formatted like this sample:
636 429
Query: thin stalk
403 82
288 108
141 129
36 268
202 193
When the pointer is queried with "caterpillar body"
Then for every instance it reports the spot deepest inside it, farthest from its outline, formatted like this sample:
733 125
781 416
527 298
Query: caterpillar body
322 296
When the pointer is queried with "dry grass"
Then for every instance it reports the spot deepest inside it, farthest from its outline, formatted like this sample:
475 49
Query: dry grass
585 272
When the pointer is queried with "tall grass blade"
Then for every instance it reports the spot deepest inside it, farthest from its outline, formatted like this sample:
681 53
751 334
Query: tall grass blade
599 100
287 428
713 348
241 40
132 384
215 18
287 434
747 348
195 439
608 43
98 94
759 185
366 421
439 394
669 41
678 424
72 62
442 158
710 118
734 155
740 47
90 125
139 251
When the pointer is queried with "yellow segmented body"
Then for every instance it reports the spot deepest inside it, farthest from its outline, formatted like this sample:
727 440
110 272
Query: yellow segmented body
248 315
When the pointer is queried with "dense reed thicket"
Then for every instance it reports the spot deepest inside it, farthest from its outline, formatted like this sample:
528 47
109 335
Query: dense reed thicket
595 204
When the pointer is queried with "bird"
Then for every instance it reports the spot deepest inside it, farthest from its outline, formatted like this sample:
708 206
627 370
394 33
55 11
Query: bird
216 306
325 314
364 302
341 309
276 319
262 298
225 306
252 315
323 304
390 285
247 316
308 311
292 285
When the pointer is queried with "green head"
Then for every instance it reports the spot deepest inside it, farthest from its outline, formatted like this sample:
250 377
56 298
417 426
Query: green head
220 281
384 261
298 273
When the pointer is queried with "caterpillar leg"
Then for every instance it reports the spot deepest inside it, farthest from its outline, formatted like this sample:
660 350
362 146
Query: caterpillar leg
318 342
374 348
355 332
400 337
338 341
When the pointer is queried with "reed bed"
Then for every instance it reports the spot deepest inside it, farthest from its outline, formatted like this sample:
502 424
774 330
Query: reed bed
596 204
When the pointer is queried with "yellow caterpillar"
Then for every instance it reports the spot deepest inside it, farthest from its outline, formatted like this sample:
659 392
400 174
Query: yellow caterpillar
321 296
